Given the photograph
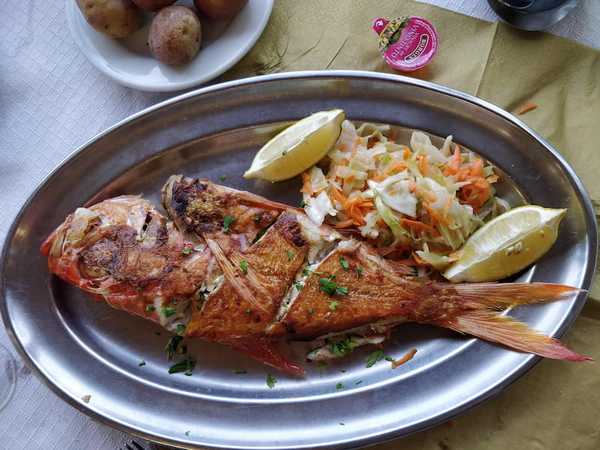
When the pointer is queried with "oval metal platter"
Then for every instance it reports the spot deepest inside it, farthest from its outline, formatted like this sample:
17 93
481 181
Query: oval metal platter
82 348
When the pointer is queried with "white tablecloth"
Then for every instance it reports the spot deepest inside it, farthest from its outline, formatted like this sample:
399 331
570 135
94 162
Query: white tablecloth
51 101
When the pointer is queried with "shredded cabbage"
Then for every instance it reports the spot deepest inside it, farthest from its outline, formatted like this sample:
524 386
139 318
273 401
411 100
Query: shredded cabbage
417 198
318 207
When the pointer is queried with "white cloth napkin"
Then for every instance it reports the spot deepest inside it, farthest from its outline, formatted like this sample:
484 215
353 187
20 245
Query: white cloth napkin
52 100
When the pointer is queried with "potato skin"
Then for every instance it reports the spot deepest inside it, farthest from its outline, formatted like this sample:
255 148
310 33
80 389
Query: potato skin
153 5
116 18
220 9
175 35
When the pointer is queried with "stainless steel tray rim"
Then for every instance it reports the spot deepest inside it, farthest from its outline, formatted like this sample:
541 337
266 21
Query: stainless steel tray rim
527 360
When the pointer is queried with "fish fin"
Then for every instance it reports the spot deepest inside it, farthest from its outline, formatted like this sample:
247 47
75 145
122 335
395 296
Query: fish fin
250 199
266 352
231 275
504 295
514 334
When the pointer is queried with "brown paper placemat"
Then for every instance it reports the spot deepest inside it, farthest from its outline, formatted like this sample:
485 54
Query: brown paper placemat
557 404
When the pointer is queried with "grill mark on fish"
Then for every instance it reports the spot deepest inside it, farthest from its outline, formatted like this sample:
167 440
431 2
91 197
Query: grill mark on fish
290 229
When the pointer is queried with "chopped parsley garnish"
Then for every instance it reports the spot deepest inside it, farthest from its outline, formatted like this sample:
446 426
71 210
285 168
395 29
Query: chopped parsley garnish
298 285
169 311
374 358
333 305
342 423
341 290
331 288
344 263
240 371
227 222
271 381
222 178
359 271
187 433
302 203
342 347
172 346
150 308
339 386
180 329
186 250
358 382
244 266
389 358
290 255
186 366
142 363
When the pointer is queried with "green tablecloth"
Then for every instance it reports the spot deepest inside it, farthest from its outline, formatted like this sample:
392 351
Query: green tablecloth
556 405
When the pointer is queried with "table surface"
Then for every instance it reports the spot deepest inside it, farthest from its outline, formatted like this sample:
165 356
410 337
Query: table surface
52 101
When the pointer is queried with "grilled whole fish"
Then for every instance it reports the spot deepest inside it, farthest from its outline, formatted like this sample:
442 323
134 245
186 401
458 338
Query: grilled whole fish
237 269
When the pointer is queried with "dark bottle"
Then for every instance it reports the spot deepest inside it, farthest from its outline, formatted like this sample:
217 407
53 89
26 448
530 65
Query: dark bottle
532 14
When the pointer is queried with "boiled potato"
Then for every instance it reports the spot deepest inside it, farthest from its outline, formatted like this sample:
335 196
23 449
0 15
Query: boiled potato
153 5
116 18
175 35
220 9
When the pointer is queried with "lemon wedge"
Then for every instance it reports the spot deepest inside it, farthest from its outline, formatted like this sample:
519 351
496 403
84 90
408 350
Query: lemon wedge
506 244
298 147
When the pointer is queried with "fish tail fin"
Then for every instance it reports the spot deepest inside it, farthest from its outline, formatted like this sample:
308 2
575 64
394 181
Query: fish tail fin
514 334
474 314
266 352
504 295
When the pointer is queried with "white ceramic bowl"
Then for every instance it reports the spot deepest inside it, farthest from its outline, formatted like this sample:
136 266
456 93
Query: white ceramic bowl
129 62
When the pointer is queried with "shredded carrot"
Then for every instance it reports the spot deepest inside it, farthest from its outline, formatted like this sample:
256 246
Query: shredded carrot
306 188
407 357
526 107
423 164
356 215
354 147
396 167
379 177
418 260
435 216
453 163
419 226
338 196
406 153
476 193
344 223
477 168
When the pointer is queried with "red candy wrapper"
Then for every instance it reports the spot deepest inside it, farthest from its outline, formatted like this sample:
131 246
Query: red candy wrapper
406 43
